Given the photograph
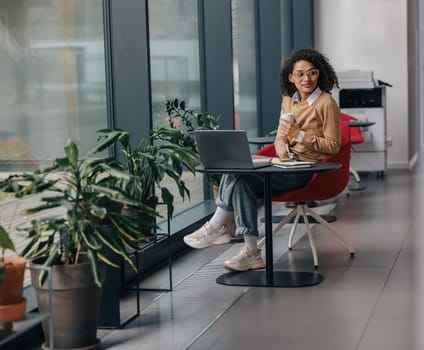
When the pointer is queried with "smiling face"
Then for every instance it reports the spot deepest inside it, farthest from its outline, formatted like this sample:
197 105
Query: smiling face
305 78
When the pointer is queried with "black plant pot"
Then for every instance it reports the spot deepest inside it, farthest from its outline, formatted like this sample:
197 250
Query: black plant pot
147 222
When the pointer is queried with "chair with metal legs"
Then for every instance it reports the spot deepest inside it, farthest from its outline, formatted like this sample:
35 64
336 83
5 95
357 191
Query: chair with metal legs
322 186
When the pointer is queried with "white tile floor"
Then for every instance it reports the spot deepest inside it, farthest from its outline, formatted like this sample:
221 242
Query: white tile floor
364 303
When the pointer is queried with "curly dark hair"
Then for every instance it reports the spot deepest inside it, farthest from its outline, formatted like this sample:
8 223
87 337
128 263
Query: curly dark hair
327 78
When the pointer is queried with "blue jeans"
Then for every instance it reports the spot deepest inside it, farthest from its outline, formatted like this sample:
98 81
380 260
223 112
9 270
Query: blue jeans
239 193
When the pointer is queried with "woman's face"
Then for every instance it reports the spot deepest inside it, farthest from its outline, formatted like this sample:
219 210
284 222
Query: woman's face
304 77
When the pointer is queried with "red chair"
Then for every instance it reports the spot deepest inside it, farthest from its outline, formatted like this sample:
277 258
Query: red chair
355 138
322 186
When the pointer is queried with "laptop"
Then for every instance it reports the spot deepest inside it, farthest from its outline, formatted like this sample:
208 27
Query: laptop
227 149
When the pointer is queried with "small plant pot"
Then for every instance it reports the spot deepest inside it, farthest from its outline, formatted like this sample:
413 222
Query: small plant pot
13 312
12 304
13 282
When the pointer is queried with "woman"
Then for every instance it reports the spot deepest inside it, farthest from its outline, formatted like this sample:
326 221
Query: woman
306 80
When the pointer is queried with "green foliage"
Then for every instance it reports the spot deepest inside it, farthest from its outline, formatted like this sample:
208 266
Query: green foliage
93 191
187 121
5 242
163 152
92 204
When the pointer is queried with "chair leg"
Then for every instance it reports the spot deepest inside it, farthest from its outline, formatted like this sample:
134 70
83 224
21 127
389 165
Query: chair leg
277 228
302 208
298 211
342 237
293 228
355 174
284 221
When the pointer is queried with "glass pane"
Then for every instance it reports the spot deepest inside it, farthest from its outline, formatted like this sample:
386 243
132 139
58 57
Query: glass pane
53 86
244 64
175 69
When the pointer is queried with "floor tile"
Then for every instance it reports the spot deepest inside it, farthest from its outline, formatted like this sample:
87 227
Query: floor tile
364 303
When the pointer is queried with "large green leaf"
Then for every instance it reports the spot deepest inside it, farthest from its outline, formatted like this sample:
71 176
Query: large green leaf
71 151
106 139
5 241
34 210
87 233
52 259
115 244
94 265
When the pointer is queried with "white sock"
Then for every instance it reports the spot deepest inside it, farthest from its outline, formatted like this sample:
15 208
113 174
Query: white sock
218 219
251 242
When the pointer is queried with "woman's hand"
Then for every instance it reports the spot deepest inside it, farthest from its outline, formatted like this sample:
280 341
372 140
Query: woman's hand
289 130
283 155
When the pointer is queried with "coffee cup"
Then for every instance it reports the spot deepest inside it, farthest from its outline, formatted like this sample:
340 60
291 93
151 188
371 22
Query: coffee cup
287 116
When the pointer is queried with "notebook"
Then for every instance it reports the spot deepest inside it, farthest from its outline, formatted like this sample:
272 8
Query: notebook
291 163
227 149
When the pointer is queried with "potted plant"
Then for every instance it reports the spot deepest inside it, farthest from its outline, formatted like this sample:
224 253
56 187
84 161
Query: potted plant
12 302
187 121
72 247
161 153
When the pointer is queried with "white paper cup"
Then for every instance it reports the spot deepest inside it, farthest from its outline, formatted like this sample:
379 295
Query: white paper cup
287 116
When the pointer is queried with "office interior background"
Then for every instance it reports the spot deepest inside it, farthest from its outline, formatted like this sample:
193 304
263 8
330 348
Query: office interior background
71 67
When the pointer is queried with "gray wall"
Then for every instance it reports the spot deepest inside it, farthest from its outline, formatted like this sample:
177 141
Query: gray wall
380 44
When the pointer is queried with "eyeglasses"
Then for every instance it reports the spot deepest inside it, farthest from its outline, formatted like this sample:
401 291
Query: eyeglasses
312 73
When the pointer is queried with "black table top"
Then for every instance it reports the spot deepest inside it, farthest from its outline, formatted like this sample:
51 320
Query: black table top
265 140
314 168
360 123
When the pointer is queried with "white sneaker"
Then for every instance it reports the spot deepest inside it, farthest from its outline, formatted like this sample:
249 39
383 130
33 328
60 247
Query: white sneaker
207 236
245 260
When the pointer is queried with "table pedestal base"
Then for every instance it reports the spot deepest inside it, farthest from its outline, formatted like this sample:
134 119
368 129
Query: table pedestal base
356 187
283 279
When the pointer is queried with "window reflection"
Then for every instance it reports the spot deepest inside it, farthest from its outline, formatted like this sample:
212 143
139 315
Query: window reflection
53 78
244 65
175 69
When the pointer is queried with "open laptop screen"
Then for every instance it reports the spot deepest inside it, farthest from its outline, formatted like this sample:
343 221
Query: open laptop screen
226 149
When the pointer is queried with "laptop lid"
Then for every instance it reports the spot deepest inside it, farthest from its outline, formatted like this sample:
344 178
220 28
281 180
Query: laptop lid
226 149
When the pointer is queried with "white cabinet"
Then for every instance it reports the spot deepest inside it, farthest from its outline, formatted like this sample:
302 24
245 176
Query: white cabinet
368 105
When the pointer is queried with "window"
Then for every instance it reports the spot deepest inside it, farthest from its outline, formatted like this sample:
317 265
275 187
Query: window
175 69
244 63
53 78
